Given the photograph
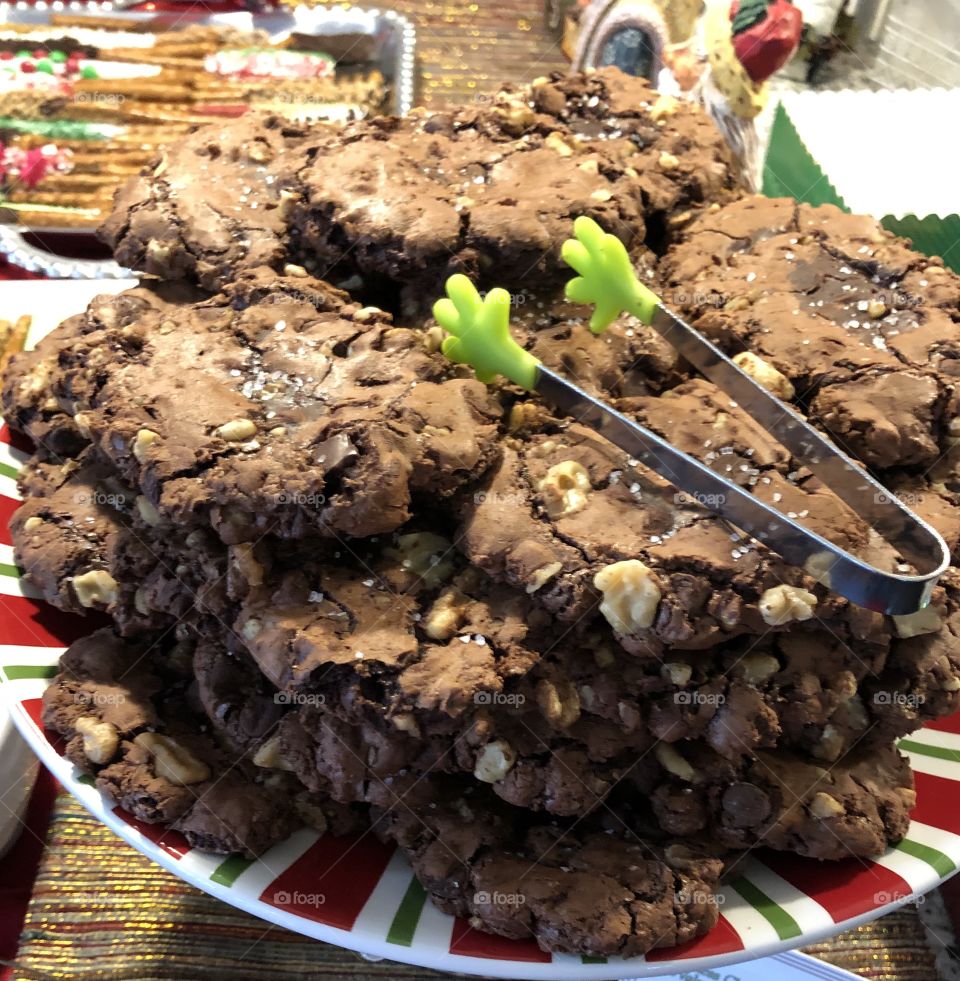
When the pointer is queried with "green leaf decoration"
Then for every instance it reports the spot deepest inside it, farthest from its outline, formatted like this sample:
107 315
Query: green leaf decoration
790 171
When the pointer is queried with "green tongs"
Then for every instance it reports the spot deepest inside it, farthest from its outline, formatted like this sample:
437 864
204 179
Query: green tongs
480 336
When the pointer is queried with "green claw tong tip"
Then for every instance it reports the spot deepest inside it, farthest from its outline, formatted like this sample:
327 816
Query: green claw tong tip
606 278
480 333
480 326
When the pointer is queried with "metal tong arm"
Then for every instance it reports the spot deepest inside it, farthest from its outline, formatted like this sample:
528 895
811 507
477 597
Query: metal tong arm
480 336
825 561
607 281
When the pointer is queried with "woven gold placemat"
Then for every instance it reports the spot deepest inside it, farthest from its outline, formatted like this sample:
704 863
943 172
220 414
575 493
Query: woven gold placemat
100 910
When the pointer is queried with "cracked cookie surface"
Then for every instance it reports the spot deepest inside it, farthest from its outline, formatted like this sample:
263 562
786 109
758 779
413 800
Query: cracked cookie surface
489 190
212 203
492 191
279 406
570 519
838 306
594 889
125 721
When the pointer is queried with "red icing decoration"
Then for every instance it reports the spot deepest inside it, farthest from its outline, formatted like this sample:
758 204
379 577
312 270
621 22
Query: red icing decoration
35 166
30 167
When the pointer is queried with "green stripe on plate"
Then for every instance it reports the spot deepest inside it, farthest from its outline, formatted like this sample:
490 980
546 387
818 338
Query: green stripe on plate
7 471
404 924
85 778
17 672
937 752
932 856
6 569
585 959
781 921
228 871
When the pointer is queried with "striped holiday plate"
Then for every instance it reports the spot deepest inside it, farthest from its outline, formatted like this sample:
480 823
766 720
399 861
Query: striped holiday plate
361 894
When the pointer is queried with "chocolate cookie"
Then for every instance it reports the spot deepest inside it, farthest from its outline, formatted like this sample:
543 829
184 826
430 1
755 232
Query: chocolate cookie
245 712
492 191
859 806
277 407
473 677
586 889
395 640
675 153
34 399
828 308
87 541
125 721
568 518
212 203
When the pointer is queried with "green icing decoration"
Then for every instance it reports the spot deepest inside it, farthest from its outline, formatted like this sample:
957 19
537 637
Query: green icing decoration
88 71
606 280
59 129
59 57
749 12
480 330
45 65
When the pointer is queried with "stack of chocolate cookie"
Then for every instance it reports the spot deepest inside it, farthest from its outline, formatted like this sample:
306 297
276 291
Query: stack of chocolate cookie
352 586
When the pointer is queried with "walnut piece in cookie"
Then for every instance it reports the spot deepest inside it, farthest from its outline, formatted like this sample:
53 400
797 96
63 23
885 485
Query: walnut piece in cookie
784 604
630 595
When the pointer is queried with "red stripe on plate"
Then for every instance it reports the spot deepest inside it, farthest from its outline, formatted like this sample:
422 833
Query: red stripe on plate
34 624
34 709
937 802
15 439
722 939
332 881
7 506
844 889
950 724
472 943
172 842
